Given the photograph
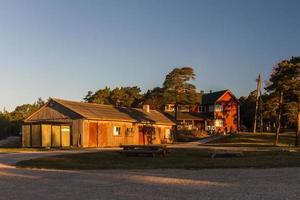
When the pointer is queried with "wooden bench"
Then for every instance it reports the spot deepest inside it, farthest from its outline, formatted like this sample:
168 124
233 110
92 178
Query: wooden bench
145 150
222 154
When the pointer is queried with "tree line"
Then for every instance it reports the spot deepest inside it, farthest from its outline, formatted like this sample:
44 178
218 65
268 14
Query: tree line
280 101
10 122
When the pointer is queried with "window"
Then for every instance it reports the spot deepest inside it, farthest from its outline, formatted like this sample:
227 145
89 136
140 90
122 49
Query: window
129 132
211 108
117 131
218 123
218 108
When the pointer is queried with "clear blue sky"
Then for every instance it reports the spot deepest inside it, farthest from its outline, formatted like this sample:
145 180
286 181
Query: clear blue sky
65 48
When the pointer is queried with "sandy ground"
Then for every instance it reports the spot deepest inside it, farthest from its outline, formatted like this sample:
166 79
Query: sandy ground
145 184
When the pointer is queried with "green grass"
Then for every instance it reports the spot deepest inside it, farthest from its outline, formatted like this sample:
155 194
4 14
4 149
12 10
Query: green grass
259 152
16 149
257 140
178 159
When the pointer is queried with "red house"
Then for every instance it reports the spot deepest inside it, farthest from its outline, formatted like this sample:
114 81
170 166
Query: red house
223 107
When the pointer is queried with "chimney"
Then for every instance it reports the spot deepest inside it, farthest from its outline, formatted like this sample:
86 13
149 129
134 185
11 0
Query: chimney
146 108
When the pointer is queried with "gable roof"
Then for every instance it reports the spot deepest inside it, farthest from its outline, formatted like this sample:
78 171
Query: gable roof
94 111
211 98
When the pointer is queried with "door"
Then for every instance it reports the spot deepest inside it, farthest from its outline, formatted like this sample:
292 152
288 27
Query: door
36 135
55 136
93 129
141 135
65 136
102 135
46 135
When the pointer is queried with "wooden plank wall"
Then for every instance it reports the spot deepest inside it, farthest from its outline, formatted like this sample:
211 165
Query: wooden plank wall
26 136
106 138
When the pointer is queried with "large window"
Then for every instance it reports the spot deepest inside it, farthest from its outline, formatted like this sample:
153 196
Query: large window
218 123
117 131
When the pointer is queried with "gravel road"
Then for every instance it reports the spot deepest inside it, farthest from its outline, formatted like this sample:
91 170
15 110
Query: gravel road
217 184
244 184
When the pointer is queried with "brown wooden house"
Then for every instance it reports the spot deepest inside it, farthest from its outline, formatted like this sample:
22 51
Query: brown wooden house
62 123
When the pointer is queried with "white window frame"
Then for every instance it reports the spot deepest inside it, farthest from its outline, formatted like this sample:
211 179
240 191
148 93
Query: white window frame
117 131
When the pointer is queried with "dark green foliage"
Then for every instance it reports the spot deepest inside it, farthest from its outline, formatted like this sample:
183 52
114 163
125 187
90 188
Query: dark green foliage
247 109
123 96
10 122
178 87
154 98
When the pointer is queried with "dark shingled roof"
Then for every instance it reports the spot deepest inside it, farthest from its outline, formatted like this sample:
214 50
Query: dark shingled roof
111 113
188 116
211 98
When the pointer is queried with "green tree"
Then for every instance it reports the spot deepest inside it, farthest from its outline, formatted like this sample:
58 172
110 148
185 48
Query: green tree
247 109
283 85
154 98
126 96
101 96
10 122
179 89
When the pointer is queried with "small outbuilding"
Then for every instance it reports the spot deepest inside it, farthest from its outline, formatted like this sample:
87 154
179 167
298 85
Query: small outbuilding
63 123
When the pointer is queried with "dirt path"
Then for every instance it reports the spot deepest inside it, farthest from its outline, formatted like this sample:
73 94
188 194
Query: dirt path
226 184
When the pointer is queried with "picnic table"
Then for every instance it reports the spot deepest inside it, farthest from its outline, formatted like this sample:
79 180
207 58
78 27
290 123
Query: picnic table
226 153
146 150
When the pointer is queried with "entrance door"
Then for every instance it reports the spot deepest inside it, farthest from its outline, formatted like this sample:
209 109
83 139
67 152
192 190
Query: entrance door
141 135
55 136
65 136
102 135
93 129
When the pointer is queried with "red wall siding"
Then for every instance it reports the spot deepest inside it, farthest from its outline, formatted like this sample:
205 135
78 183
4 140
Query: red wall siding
229 113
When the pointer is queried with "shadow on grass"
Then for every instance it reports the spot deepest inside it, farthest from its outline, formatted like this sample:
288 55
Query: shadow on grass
178 159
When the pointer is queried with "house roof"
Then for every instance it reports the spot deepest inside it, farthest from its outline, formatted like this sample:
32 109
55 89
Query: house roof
188 116
211 98
109 112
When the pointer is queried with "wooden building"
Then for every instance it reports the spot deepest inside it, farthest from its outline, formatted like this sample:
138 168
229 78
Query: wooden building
216 112
224 108
62 123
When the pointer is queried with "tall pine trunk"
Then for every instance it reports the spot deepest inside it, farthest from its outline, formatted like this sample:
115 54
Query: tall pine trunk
298 125
279 118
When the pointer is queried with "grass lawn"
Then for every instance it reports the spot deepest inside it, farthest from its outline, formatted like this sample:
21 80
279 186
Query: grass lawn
178 159
257 140
16 149
197 158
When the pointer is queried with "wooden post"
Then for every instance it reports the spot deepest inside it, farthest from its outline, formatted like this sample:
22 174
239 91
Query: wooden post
279 118
258 94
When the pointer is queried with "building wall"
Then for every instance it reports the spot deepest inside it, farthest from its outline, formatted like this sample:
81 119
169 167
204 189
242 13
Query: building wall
90 133
229 114
105 134
46 135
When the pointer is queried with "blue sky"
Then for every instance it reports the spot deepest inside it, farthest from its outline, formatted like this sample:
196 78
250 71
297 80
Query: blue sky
64 48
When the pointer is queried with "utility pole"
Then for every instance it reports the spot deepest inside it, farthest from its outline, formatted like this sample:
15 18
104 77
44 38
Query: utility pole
258 102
